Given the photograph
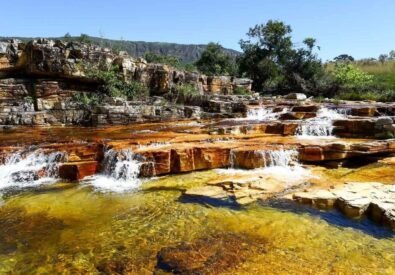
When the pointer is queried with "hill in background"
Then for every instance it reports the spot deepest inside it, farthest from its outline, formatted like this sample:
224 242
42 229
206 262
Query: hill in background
186 53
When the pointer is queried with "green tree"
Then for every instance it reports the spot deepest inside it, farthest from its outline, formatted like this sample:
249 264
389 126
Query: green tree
344 58
67 37
84 38
162 59
383 58
270 59
214 61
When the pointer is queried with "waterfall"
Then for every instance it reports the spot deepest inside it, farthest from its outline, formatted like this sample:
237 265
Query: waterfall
279 164
321 125
120 171
272 158
263 113
30 168
279 158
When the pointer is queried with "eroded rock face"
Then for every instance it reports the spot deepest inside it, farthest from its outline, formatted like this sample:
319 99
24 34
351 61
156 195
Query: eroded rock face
214 254
68 60
39 82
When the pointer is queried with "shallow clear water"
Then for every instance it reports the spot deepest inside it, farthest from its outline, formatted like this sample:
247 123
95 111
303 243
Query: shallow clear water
73 229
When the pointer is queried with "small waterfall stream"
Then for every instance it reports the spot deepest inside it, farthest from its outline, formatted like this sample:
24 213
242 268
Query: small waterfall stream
120 171
279 164
272 158
321 125
264 113
280 157
30 168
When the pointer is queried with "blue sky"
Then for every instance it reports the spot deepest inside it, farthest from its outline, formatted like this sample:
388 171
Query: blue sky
361 28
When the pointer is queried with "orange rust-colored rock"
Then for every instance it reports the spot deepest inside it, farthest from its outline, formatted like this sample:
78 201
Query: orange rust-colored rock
364 111
311 153
75 171
182 160
290 129
210 158
354 127
247 159
156 163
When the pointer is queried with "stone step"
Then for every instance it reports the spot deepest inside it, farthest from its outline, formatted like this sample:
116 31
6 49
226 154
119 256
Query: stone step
355 200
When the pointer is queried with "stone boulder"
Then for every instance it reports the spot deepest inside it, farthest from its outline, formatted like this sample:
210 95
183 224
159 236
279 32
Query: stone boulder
214 254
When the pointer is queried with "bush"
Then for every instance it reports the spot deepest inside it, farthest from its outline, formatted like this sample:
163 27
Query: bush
162 59
87 99
184 93
350 77
112 84
241 91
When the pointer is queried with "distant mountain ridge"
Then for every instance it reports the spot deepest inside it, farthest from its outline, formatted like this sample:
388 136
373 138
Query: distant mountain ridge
187 53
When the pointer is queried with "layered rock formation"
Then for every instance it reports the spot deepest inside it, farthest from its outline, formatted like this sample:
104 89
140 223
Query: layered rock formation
39 82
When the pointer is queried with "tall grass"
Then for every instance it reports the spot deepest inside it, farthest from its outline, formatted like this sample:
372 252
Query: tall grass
384 73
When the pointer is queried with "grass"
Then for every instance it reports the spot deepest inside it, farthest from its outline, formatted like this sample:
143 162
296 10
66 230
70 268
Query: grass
384 73
383 96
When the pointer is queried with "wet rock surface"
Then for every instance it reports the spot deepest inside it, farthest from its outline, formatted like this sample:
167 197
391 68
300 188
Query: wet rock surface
210 255
355 199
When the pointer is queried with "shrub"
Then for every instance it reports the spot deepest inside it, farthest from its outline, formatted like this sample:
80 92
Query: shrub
162 59
350 77
184 93
87 99
241 91
113 85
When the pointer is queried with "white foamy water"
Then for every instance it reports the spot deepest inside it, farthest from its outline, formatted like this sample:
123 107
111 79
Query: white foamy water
281 165
273 158
321 125
119 173
264 113
28 169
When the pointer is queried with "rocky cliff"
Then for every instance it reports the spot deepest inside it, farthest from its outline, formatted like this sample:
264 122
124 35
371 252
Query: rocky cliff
39 79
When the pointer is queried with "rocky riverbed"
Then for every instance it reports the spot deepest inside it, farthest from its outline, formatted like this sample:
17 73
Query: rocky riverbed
223 183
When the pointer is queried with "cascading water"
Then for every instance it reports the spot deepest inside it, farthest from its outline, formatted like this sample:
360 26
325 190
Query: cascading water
30 168
321 125
279 164
272 158
280 157
120 171
264 113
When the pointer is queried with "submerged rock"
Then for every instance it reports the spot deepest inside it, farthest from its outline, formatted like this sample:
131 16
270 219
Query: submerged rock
214 254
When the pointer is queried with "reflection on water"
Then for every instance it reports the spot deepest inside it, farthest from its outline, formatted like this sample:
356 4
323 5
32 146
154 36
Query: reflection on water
73 229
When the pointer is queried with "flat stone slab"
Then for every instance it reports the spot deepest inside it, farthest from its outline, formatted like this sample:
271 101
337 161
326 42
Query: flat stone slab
355 199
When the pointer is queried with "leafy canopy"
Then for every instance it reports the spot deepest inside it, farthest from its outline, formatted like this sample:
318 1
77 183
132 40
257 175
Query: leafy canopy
214 61
272 62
